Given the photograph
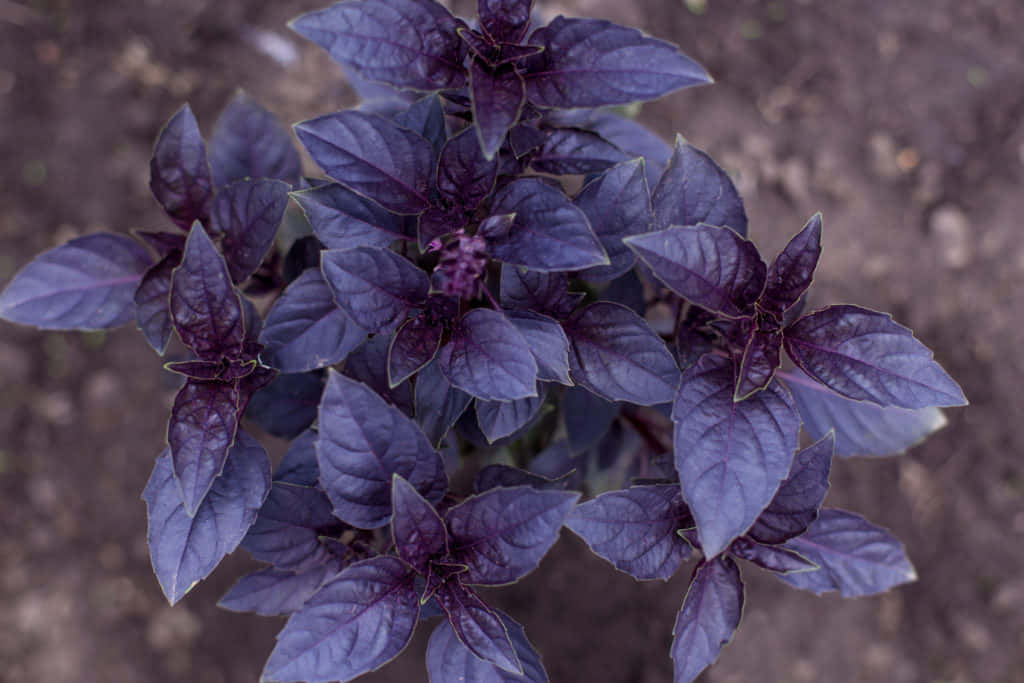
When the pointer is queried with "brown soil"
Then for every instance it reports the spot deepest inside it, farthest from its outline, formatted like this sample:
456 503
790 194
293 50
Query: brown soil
902 121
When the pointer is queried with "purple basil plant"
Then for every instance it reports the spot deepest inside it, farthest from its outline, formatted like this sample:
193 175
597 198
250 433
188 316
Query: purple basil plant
451 306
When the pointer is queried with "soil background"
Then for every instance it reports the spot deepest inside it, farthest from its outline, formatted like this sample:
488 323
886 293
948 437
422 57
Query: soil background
903 121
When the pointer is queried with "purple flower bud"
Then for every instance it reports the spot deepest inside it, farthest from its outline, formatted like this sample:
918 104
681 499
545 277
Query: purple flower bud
462 262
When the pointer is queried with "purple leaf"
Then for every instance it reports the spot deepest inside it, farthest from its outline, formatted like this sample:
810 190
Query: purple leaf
306 330
498 419
426 117
633 139
152 303
163 243
549 234
202 428
503 476
617 204
791 272
588 418
363 442
856 557
434 223
501 535
714 268
616 355
246 215
498 98
488 358
186 548
275 592
373 156
569 151
355 623
86 284
533 290
478 626
406 43
248 142
635 529
694 189
205 307
418 531
465 177
179 174
414 345
369 364
866 356
759 363
288 529
287 405
376 287
524 138
593 63
547 342
450 661
505 21
438 404
210 370
342 219
860 428
731 456
796 503
710 616
299 464
774 558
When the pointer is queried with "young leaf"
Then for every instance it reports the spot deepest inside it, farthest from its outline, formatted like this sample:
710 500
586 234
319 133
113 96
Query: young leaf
373 156
246 215
86 284
342 219
179 174
299 465
418 531
363 442
501 535
710 616
498 419
731 456
635 529
287 405
575 151
617 204
790 274
588 418
248 142
414 345
498 97
305 329
465 177
152 303
867 356
760 361
355 623
547 342
860 428
205 307
450 661
488 358
406 43
376 287
275 592
439 405
594 63
289 526
774 558
478 626
202 428
186 548
714 268
533 290
795 505
549 233
694 189
856 557
505 21
616 355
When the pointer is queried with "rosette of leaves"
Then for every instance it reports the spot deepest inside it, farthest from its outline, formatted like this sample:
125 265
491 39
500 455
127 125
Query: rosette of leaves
443 301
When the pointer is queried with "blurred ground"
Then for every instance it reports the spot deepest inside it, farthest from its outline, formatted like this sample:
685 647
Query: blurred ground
902 121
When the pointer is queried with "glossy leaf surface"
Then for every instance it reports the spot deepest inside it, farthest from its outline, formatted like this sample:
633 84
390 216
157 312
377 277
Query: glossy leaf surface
568 151
342 219
694 189
499 419
533 290
248 142
498 96
477 626
488 358
413 346
289 526
417 529
465 176
761 359
796 504
774 558
375 287
547 342
790 274
246 215
275 592
710 616
179 173
450 661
